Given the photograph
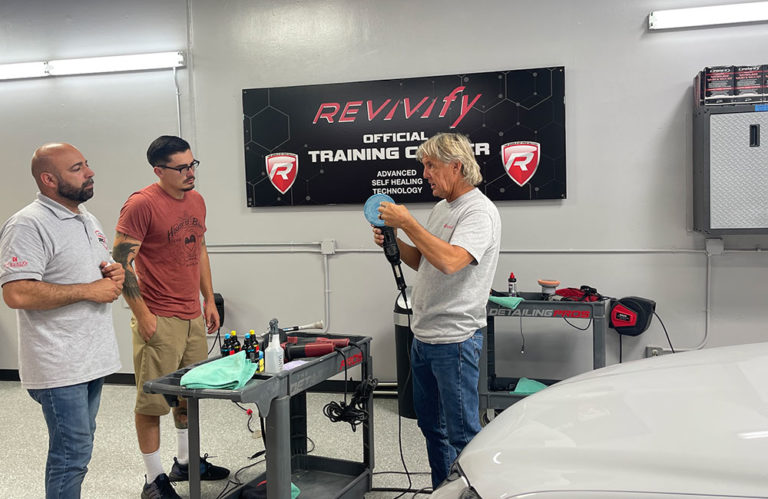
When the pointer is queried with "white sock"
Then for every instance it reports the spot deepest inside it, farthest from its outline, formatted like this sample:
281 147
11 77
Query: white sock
183 455
153 464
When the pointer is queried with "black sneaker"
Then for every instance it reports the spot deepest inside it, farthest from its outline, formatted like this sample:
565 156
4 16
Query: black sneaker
160 488
208 471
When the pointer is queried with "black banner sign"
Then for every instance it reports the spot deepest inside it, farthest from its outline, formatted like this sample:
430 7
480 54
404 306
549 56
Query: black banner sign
343 142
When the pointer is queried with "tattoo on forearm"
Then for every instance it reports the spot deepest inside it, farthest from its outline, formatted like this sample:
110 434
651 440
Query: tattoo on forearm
124 253
131 285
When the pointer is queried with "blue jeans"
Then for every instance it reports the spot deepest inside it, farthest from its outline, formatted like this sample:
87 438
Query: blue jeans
446 398
70 413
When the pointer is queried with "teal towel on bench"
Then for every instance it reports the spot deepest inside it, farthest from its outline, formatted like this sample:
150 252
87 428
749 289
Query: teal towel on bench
506 301
527 386
227 373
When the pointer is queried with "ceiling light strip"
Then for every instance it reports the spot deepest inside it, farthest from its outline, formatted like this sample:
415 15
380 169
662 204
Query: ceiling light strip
92 65
707 16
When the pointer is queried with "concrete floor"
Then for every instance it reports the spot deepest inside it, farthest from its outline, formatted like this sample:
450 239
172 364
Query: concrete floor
117 470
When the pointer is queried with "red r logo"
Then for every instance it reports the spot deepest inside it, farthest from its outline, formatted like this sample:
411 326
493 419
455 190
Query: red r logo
521 159
282 169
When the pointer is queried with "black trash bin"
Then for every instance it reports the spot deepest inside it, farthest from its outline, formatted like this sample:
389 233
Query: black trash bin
403 340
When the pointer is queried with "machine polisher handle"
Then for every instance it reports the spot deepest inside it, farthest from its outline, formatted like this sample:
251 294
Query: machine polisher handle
308 350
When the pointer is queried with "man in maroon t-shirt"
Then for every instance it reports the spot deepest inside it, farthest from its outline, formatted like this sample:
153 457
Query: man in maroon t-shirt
160 242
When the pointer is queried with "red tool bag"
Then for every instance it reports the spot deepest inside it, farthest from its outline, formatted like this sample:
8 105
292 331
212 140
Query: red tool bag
584 293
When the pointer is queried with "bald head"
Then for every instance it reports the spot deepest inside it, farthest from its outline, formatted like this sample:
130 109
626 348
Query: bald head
62 173
48 159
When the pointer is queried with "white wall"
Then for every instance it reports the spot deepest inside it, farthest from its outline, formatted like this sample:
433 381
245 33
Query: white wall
628 111
111 118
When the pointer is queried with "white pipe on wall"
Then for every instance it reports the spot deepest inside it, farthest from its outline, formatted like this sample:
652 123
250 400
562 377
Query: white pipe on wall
307 247
178 103
294 247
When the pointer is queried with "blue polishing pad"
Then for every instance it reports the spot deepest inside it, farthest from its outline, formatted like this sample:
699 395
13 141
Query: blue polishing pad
371 208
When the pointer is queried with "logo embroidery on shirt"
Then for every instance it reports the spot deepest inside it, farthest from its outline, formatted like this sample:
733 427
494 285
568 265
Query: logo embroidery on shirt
16 263
446 226
102 238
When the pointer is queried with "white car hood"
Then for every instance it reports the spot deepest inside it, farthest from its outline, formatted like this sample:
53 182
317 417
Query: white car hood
693 422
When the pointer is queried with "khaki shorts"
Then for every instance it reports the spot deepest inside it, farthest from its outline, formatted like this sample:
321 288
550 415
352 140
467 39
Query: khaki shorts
177 343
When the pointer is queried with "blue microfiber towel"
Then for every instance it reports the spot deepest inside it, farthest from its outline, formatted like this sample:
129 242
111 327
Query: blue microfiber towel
527 386
227 373
506 301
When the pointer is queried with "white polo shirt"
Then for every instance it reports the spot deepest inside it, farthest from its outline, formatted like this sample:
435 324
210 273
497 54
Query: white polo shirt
71 344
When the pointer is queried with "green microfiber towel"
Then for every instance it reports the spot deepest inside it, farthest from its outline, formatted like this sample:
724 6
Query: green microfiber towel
506 301
259 490
227 373
527 386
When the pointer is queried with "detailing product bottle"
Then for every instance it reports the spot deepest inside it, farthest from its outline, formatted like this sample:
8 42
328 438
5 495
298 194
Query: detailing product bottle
254 340
251 347
247 345
273 355
235 342
512 284
225 345
255 353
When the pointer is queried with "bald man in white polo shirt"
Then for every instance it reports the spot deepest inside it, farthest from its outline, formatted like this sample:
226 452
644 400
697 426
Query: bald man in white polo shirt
57 272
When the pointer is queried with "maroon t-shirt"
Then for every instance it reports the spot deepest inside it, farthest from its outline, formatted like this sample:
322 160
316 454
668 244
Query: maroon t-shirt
168 263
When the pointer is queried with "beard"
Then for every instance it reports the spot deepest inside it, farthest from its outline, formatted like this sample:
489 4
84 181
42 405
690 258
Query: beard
78 194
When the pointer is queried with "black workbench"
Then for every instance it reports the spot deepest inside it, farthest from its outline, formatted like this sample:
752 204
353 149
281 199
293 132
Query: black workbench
277 398
496 391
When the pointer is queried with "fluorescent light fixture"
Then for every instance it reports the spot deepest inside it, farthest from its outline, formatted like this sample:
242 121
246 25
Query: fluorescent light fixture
22 70
705 16
90 65
116 63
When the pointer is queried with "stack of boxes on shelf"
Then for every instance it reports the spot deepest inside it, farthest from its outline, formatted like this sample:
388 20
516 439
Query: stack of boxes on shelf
719 85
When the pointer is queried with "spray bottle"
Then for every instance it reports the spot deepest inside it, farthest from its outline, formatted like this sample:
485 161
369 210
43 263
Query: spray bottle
273 355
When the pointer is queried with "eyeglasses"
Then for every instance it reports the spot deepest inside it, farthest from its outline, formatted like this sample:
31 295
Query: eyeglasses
183 169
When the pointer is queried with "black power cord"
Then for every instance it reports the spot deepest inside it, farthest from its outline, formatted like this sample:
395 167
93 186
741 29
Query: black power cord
669 341
665 331
589 324
217 339
353 413
621 348
235 481
399 417
249 412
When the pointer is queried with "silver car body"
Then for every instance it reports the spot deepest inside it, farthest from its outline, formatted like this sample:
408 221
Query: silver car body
692 424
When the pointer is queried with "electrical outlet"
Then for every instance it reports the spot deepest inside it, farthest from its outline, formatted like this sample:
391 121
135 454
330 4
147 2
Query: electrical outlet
651 351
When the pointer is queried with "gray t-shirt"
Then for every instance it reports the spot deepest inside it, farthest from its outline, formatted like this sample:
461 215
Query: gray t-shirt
450 308
71 344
